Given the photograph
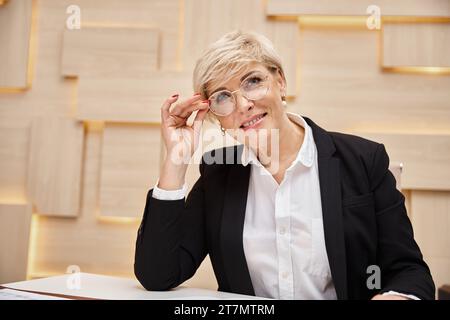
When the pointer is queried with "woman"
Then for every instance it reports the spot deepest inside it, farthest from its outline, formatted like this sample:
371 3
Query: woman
314 215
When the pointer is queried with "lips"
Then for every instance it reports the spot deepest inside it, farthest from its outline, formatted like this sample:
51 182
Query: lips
253 121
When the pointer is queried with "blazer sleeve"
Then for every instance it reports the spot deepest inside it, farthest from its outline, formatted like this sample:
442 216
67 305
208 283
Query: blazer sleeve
170 244
400 260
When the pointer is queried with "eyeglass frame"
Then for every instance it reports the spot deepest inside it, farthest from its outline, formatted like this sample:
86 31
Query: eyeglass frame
240 88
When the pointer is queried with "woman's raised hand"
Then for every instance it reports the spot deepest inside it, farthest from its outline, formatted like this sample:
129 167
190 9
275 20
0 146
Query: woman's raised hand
181 140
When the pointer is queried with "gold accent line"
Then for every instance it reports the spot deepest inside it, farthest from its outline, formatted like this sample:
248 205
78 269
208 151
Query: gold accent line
73 102
413 19
94 126
99 24
352 21
124 122
332 21
32 245
282 18
13 89
118 220
325 20
32 44
418 70
381 46
3 2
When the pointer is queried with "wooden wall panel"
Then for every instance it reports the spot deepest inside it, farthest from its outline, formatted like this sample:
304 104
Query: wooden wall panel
416 45
97 246
110 51
431 222
130 167
425 158
415 8
343 87
129 99
160 14
431 219
14 143
55 162
15 30
95 243
14 239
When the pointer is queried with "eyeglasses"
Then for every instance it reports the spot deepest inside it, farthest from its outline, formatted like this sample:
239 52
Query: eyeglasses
254 87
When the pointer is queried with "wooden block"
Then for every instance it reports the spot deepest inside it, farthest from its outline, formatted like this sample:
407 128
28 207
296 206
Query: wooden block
415 8
416 45
343 89
425 158
431 220
15 31
15 220
14 145
129 99
114 51
130 167
60 243
54 171
164 15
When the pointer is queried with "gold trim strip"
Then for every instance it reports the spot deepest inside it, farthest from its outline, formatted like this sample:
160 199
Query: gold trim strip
417 70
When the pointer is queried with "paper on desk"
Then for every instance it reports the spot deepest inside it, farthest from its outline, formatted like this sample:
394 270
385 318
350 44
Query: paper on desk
9 294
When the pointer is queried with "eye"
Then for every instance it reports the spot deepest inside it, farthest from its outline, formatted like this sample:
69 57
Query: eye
222 96
252 82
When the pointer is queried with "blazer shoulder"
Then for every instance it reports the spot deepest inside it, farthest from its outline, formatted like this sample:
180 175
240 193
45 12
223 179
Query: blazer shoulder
357 151
344 140
355 145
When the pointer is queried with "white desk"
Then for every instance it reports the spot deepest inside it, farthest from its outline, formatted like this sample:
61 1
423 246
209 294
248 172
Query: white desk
85 285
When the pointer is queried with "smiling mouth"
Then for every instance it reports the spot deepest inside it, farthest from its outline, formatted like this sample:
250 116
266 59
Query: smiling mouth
253 122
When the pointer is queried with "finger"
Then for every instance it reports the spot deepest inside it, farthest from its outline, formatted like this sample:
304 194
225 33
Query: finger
199 117
186 113
166 106
179 107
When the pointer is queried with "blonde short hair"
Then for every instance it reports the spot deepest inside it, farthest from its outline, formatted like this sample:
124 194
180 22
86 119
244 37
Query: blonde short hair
230 54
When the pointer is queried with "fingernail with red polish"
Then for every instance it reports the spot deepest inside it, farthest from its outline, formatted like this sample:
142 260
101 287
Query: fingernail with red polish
175 95
197 94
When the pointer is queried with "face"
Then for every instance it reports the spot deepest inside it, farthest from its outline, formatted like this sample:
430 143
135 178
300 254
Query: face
265 111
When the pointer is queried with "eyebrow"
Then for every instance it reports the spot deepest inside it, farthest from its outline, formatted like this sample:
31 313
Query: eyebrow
242 78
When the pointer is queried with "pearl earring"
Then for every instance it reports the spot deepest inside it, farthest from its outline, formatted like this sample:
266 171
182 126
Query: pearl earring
223 130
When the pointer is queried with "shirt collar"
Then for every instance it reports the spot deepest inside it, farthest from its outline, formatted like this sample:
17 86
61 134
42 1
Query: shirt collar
305 155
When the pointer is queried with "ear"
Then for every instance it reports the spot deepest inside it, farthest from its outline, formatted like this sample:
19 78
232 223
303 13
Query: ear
281 81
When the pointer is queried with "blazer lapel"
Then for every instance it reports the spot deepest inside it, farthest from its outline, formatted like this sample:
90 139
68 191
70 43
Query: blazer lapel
232 228
330 189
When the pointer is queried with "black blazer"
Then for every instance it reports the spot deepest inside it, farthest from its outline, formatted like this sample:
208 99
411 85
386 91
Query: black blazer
364 217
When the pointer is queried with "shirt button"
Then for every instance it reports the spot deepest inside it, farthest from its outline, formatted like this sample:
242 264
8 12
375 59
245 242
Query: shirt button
282 230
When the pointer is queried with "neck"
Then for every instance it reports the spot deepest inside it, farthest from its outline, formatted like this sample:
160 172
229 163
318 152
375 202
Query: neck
290 141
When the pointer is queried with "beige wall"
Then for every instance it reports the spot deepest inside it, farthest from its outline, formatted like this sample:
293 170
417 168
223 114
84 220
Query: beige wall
79 112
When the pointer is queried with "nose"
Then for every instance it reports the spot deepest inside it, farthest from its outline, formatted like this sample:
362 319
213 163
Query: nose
243 104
